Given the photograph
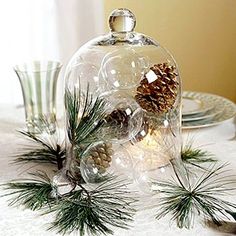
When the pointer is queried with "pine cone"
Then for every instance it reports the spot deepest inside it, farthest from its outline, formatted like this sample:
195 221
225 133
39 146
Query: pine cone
157 91
120 121
101 156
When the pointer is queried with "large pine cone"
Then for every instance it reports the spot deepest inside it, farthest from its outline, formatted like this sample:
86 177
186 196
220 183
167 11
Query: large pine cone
157 91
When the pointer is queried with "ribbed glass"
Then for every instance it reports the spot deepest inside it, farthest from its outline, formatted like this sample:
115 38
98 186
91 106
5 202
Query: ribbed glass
38 81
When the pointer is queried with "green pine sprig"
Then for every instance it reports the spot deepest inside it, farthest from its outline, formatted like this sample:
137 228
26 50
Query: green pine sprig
33 193
87 210
195 156
95 211
184 201
48 151
85 117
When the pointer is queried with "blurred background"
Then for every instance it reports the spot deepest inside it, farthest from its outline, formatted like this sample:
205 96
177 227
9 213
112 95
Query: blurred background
201 34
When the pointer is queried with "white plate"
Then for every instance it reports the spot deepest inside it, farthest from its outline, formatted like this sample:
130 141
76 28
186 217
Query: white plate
223 109
194 106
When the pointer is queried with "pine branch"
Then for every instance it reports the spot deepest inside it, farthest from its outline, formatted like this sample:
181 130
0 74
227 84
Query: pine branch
85 117
37 156
195 156
94 211
32 193
202 198
46 151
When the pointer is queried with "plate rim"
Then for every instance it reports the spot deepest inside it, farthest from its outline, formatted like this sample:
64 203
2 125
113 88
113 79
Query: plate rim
212 123
201 117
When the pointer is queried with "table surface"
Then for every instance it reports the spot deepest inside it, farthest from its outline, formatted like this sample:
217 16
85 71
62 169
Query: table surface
18 222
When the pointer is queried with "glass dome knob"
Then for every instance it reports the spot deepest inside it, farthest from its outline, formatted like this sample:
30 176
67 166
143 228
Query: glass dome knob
122 20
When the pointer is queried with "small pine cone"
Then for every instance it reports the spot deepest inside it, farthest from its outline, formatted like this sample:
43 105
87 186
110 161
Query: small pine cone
119 120
157 91
101 156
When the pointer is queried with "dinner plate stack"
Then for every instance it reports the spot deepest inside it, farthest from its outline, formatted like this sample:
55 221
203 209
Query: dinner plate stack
204 109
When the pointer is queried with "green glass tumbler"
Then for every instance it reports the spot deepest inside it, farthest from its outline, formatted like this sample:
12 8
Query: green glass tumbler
38 81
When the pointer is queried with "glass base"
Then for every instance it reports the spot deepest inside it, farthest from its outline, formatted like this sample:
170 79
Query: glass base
39 127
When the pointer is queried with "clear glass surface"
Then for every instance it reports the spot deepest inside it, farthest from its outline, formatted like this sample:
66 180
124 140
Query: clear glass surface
139 76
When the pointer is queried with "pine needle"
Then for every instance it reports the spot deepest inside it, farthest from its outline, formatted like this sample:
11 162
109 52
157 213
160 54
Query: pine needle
45 151
94 211
195 156
32 193
85 117
184 202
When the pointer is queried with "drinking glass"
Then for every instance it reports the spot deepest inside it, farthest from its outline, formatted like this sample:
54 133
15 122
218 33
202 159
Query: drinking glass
38 81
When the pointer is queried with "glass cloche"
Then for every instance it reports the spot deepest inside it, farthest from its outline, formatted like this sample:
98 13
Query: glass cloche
122 101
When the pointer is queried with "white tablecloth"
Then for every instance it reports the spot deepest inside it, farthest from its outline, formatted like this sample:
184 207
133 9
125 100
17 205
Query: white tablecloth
18 222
